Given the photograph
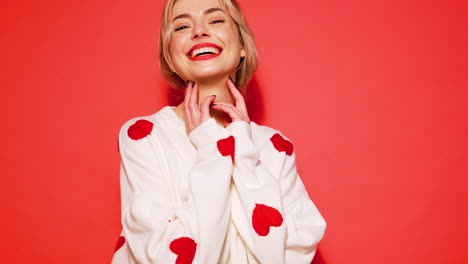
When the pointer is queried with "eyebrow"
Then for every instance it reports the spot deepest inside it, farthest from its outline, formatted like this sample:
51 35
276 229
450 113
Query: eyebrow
208 11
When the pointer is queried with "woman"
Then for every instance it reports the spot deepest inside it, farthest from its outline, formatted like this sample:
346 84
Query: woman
195 187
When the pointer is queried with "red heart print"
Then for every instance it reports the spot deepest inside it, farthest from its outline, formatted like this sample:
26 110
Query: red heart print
184 248
226 147
120 243
264 217
282 144
140 129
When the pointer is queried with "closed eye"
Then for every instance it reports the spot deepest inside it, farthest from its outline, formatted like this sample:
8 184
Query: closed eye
217 21
180 28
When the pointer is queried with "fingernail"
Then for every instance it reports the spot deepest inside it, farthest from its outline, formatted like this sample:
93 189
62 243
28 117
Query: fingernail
213 104
214 95
187 83
193 83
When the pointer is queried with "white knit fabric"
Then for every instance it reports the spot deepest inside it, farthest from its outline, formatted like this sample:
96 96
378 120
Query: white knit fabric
177 186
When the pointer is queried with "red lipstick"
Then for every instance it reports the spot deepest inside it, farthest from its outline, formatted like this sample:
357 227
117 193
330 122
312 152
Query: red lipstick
204 57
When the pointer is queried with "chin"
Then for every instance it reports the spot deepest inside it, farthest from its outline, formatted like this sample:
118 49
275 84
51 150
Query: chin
210 72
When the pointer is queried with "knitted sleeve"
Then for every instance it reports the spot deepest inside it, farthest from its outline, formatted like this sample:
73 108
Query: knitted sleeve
156 228
271 208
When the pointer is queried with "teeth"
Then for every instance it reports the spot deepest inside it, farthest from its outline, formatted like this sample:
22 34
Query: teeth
206 49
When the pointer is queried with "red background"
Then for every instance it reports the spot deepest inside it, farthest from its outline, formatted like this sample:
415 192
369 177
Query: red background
372 93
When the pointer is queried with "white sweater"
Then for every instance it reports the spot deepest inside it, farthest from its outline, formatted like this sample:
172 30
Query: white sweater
219 195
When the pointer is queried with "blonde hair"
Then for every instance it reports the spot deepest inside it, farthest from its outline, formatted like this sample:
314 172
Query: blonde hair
247 65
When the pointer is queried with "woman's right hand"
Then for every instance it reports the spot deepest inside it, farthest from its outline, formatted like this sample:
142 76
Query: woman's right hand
194 115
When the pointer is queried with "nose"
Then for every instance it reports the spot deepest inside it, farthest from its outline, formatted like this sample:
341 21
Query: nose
200 31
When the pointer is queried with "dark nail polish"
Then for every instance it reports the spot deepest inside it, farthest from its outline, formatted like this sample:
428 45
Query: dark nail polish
213 104
186 83
214 95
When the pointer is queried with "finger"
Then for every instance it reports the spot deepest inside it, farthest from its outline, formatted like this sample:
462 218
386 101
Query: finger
240 101
194 95
188 93
235 109
205 107
193 103
187 115
230 111
233 113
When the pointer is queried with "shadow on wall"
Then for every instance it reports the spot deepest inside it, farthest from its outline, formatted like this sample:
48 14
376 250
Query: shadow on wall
253 99
175 96
318 259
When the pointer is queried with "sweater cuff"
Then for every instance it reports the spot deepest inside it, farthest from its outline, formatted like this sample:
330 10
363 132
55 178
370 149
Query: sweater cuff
241 131
207 132
245 146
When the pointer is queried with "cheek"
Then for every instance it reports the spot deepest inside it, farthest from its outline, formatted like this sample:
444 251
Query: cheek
234 38
231 40
176 47
231 37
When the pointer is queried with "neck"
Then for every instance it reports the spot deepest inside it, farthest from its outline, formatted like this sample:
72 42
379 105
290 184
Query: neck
216 87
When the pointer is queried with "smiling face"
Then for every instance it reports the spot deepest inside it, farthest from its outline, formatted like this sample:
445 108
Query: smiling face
205 43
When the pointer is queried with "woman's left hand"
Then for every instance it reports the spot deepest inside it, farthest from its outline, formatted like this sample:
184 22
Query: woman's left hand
238 111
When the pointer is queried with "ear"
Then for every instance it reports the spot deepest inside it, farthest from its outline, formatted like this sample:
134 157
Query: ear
242 54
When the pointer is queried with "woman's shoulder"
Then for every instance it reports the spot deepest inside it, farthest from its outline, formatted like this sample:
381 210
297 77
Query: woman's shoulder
141 126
